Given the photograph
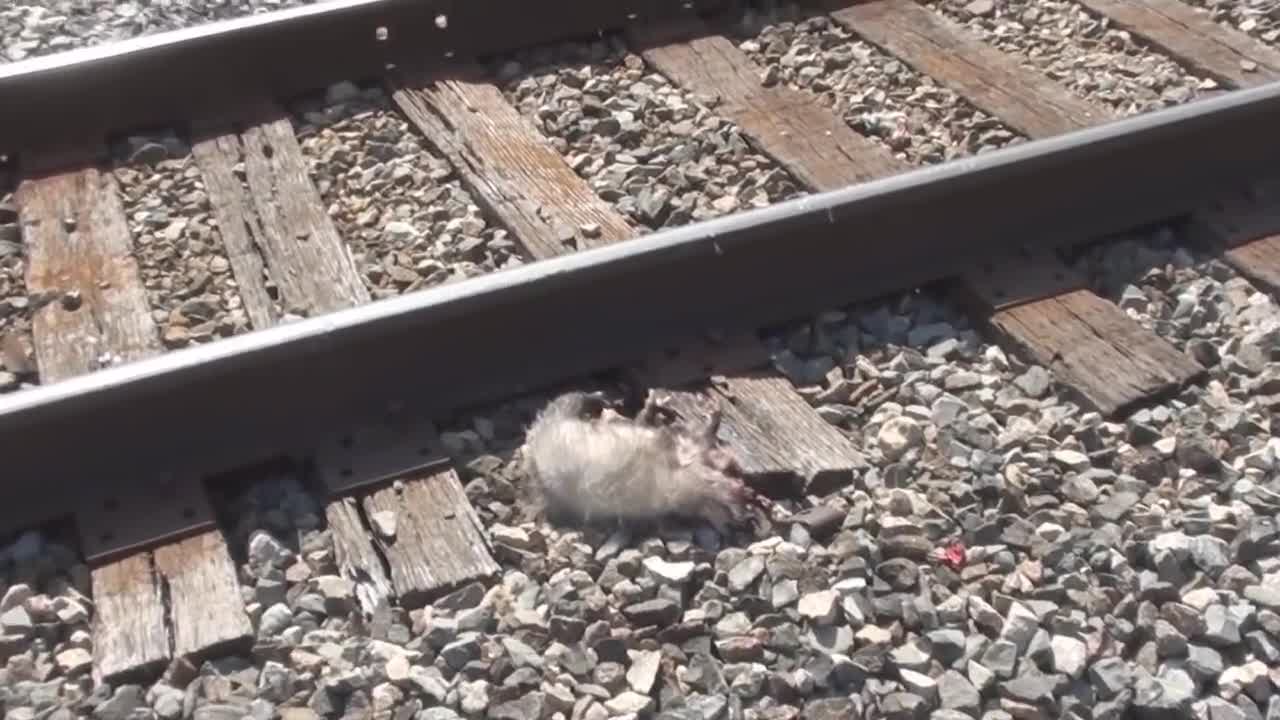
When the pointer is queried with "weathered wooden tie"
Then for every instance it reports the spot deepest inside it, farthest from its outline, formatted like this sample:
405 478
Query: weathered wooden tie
509 165
81 261
987 78
1191 36
275 220
1245 227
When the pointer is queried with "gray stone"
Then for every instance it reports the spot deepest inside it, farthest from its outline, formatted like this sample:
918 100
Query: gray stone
659 611
274 620
1110 676
1070 655
123 701
957 693
903 706
1221 629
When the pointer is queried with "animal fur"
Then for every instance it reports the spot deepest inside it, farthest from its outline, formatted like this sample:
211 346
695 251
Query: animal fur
591 464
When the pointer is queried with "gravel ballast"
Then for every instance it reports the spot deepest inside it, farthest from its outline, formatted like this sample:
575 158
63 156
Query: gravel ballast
1005 554
661 156
876 94
1257 18
1080 50
1105 569
193 294
17 366
406 218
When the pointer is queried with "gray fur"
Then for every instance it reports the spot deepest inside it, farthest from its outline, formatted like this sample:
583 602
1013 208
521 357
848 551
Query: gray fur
593 465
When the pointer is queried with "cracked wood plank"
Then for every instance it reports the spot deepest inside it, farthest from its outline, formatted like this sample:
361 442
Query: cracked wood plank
1259 262
1194 38
986 77
130 639
439 542
275 226
81 260
766 424
275 219
233 210
510 166
206 612
1108 360
357 559
816 147
278 221
772 431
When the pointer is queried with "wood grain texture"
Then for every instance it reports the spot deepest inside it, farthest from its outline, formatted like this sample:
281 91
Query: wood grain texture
772 430
357 559
510 166
986 77
1244 224
439 543
814 145
81 256
130 639
278 212
277 215
1194 38
1042 309
238 224
274 222
1259 262
1105 356
80 261
205 609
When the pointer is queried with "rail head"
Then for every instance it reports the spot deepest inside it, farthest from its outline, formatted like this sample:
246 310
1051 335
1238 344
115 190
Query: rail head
291 389
54 105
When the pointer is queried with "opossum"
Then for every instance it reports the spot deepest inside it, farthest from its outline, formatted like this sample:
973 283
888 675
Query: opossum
590 464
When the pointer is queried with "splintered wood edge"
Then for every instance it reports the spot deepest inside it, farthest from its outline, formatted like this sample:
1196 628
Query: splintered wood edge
129 629
1258 262
206 610
540 199
357 559
130 635
1133 365
440 543
1015 279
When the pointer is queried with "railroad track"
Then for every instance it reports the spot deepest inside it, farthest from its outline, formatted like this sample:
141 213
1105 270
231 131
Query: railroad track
160 420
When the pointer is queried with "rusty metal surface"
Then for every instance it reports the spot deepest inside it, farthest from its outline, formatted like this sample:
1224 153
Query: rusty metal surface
117 518
294 387
1024 276
1241 215
377 452
201 73
701 358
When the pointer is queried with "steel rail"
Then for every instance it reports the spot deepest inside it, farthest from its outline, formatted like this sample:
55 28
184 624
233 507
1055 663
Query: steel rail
295 388
57 104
